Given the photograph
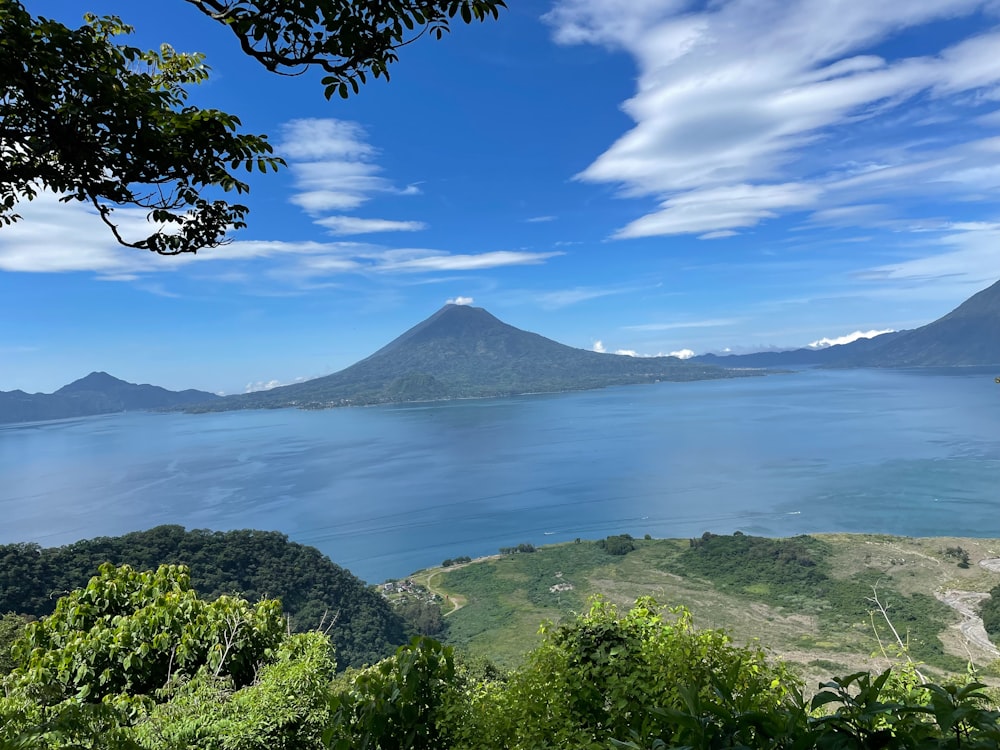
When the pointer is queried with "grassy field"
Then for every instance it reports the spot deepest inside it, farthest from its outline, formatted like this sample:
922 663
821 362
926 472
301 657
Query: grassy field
808 599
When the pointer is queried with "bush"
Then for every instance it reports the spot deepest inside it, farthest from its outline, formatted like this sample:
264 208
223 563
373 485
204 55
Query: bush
620 544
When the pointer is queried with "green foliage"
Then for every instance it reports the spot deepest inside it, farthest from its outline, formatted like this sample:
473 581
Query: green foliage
771 566
423 616
518 589
794 572
98 121
394 704
11 627
522 548
870 712
108 124
989 610
600 678
641 679
348 41
959 554
461 560
620 544
95 726
131 632
285 708
252 564
136 657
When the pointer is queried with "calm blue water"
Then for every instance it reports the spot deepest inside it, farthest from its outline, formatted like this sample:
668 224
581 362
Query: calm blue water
385 491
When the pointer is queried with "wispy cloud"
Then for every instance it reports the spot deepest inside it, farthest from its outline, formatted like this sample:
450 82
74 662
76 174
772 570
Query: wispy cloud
54 237
334 170
540 219
712 323
558 298
479 262
460 301
355 225
970 257
748 111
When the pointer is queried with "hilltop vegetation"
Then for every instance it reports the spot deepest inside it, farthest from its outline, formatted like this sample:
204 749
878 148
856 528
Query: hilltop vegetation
138 660
314 591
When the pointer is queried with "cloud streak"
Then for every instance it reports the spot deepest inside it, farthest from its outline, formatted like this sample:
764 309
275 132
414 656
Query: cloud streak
354 225
54 237
333 167
748 111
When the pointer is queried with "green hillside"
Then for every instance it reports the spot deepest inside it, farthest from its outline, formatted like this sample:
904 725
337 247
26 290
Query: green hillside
314 591
808 598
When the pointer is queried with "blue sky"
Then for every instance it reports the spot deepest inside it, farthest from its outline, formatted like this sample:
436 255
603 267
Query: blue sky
639 175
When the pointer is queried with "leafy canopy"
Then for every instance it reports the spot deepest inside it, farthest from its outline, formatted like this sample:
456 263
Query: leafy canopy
131 632
98 121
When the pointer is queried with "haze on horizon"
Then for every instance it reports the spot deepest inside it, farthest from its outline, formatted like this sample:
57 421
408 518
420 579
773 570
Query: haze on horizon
648 177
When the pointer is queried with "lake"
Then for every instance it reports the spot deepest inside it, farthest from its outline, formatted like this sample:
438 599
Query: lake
387 490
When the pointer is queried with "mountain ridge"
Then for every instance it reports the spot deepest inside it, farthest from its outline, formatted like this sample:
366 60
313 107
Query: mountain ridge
92 395
969 335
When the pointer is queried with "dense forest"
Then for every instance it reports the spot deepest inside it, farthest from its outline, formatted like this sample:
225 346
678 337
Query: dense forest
314 592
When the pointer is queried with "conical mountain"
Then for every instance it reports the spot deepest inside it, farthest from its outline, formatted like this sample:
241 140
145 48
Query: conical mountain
465 352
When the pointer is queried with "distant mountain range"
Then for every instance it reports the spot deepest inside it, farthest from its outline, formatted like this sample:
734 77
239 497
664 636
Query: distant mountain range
98 393
968 335
464 352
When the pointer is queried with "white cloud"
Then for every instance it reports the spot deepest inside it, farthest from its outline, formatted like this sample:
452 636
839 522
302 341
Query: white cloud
315 139
460 301
823 343
333 167
54 237
443 262
733 100
730 206
266 385
355 225
540 219
601 349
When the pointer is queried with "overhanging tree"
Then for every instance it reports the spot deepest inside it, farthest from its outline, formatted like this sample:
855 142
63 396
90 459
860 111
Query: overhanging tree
95 120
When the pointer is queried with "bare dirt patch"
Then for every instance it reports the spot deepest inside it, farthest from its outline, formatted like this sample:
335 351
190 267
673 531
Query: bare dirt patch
991 564
971 626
